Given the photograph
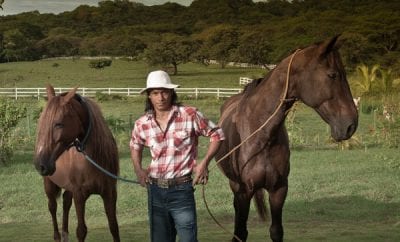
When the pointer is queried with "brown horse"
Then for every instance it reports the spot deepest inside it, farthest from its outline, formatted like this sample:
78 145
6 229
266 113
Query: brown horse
315 76
68 126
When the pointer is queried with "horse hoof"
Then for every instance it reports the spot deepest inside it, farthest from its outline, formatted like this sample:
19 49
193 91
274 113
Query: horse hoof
65 237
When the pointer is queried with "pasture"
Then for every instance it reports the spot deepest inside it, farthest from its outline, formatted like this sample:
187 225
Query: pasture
337 192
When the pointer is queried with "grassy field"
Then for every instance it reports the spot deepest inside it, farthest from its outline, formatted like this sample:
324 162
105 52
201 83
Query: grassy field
121 73
337 192
333 196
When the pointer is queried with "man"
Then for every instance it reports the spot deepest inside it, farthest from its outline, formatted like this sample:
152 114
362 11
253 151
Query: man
171 132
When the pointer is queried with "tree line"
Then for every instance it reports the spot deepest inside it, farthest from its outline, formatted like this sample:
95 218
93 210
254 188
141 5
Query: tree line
224 30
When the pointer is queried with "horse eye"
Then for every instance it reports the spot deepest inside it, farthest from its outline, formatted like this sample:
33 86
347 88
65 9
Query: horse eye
332 75
59 125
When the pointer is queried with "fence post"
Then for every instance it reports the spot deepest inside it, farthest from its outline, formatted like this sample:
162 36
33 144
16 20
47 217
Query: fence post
16 93
196 93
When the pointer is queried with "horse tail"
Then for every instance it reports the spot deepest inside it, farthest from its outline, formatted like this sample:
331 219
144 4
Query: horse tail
259 202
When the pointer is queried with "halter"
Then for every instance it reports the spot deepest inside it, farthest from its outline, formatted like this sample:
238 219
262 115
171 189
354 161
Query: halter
80 145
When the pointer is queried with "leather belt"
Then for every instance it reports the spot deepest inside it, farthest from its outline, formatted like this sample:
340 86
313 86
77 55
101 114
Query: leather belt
167 183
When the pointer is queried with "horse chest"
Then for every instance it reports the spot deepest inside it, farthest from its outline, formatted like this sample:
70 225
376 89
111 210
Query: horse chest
70 168
62 179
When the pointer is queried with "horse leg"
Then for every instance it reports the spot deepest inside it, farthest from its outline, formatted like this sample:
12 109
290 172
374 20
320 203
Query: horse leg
110 206
241 203
80 202
52 191
276 201
67 203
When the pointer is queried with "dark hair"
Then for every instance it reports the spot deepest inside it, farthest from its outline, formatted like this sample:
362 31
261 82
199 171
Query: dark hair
149 106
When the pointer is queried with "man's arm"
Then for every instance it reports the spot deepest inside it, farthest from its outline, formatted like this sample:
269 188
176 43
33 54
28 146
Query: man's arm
201 169
141 174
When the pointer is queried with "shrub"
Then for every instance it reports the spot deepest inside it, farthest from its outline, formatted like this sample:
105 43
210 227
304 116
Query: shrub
100 64
10 115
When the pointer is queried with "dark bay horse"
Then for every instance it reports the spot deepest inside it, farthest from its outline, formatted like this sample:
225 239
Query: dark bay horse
70 124
317 78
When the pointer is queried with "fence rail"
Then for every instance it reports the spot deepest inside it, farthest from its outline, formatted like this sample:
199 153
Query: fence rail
91 92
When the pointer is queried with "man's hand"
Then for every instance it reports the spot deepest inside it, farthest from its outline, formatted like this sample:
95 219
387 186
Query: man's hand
200 174
142 176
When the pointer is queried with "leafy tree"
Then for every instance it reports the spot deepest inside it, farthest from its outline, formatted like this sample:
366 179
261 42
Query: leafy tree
58 45
254 48
354 49
220 43
387 81
14 45
170 50
10 114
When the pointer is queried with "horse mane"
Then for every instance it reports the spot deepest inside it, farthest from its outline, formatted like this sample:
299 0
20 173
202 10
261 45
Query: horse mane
102 142
251 86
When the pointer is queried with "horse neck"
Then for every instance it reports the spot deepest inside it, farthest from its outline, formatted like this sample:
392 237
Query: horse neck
269 95
101 145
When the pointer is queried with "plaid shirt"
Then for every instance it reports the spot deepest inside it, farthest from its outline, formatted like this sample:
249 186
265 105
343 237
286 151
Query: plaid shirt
173 151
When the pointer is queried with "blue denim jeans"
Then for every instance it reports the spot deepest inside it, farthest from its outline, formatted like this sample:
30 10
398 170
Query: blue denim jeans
172 211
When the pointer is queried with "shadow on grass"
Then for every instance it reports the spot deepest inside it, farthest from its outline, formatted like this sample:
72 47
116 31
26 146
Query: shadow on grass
339 208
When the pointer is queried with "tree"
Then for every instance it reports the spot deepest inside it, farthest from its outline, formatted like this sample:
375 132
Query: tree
354 49
220 43
387 81
19 42
254 48
58 45
15 45
169 50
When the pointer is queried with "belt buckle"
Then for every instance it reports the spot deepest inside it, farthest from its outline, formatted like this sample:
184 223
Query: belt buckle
163 183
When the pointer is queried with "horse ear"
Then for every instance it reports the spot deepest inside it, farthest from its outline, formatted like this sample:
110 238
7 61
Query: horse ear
69 95
328 46
50 91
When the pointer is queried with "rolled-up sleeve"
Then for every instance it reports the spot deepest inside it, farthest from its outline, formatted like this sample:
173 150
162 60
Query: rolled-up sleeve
136 141
208 128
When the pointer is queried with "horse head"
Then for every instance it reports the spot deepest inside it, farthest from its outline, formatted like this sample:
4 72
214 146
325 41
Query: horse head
60 124
320 82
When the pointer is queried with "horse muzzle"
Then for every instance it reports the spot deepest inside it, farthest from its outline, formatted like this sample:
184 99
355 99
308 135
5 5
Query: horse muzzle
344 130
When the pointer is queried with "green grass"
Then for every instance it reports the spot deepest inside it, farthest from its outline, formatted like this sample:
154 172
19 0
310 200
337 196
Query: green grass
120 74
334 195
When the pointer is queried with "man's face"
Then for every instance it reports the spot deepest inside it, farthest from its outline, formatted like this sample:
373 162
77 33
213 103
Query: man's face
161 98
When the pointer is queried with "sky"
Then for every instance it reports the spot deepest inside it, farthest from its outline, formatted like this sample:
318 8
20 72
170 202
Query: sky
11 7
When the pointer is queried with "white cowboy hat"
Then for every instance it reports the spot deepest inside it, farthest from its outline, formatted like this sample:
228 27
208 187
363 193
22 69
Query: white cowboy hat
158 79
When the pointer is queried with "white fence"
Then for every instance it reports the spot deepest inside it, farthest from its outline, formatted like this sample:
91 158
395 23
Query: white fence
245 80
91 92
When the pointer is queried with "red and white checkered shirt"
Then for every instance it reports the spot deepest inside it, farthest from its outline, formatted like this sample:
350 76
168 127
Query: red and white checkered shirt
174 151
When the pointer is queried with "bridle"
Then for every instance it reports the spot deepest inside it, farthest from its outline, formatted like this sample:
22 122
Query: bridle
80 145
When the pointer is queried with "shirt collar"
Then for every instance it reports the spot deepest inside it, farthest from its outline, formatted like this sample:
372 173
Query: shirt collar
174 111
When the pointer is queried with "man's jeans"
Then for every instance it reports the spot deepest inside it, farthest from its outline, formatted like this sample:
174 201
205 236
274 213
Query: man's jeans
172 211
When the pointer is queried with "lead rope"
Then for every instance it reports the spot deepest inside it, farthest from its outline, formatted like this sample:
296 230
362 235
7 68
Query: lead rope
283 98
